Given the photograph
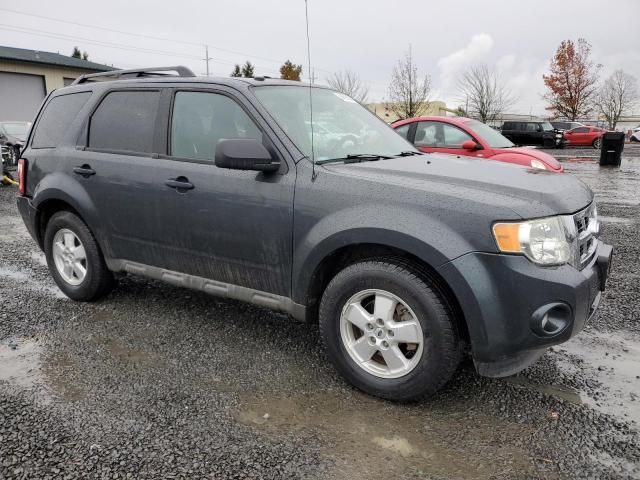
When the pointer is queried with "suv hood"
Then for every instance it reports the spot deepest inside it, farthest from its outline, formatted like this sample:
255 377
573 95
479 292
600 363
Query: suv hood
529 193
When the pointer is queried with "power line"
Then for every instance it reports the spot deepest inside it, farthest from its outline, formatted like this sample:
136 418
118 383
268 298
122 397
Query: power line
119 46
141 49
102 43
151 37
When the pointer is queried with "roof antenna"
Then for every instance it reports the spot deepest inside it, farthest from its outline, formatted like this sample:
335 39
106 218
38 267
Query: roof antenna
313 155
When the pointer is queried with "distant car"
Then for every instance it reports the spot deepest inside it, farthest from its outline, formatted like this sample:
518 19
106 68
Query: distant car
533 132
635 134
13 135
566 124
584 136
471 138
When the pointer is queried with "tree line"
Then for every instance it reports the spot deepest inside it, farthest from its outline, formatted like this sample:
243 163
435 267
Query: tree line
288 70
573 87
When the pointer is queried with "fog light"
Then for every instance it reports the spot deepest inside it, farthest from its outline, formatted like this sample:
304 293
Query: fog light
551 319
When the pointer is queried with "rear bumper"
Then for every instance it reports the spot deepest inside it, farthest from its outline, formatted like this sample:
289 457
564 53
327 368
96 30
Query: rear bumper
515 310
28 213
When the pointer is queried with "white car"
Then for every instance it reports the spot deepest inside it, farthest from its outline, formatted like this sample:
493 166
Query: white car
635 134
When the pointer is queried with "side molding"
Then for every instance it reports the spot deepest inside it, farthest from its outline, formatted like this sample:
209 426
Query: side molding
212 287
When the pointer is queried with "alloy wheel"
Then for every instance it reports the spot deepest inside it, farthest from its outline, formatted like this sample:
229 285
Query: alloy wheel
69 256
381 333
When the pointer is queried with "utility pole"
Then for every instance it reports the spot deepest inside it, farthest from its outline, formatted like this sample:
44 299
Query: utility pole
207 57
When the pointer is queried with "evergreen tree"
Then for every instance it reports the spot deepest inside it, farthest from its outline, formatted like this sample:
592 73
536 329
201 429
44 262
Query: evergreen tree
247 70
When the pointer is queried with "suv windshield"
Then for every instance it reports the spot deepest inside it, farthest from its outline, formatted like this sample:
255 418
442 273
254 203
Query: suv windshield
490 135
349 128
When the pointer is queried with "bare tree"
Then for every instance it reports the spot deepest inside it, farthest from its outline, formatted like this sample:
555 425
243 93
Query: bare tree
487 98
618 95
349 83
408 94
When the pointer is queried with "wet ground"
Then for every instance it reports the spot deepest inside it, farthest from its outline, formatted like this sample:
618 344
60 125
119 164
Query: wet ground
159 382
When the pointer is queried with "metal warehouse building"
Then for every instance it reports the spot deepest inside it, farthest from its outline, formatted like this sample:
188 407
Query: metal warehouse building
27 76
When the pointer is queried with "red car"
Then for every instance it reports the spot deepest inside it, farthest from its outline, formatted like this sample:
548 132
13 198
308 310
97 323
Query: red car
584 136
465 136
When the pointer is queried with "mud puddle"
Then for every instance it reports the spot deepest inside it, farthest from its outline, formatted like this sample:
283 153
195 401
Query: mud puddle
562 392
613 361
621 220
29 283
20 362
12 229
368 438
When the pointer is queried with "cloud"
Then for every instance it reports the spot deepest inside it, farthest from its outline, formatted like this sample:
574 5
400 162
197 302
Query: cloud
522 75
476 51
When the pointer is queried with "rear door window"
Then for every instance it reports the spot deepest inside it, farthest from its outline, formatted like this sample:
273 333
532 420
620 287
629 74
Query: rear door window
125 121
56 118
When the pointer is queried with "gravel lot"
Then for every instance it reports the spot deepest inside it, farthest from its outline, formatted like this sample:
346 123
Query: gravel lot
160 382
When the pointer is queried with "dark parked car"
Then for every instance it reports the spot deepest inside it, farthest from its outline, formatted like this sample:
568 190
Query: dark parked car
403 259
533 132
13 136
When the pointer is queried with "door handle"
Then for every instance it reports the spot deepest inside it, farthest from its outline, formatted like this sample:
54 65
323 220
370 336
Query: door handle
180 183
84 170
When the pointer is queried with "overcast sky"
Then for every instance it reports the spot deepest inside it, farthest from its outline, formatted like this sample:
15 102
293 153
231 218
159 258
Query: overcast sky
517 38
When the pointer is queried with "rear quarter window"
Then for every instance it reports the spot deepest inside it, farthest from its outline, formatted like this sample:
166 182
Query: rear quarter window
56 118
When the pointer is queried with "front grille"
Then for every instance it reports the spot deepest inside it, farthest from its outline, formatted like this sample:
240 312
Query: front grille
587 229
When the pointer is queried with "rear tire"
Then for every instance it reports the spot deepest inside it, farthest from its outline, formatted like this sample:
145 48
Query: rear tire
596 143
75 260
420 315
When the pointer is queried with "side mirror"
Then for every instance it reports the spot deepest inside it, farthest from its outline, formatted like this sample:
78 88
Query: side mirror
245 154
470 145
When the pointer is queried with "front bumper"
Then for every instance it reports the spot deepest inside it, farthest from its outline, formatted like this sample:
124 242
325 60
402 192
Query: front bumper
515 310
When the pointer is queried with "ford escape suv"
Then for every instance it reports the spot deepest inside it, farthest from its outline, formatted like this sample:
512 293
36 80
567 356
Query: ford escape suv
405 260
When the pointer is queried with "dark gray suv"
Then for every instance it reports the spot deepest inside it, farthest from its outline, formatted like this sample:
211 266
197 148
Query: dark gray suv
406 261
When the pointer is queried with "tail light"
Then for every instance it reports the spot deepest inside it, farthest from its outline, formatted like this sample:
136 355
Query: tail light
22 176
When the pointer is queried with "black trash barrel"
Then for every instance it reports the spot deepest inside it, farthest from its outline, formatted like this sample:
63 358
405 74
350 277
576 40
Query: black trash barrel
611 150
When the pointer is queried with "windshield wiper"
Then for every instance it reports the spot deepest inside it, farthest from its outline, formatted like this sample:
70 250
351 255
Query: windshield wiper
408 153
355 158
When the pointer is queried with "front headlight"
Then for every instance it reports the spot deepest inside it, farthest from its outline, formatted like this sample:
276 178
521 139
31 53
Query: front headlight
544 241
538 164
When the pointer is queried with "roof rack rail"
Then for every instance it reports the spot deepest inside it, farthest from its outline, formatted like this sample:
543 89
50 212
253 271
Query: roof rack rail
134 73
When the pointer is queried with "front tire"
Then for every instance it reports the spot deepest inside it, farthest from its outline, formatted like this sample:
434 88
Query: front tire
75 260
388 331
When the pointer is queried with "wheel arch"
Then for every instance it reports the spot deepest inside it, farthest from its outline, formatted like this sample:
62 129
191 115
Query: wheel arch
56 193
345 255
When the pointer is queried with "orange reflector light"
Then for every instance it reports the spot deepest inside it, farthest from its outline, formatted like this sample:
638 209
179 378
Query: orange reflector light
507 236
